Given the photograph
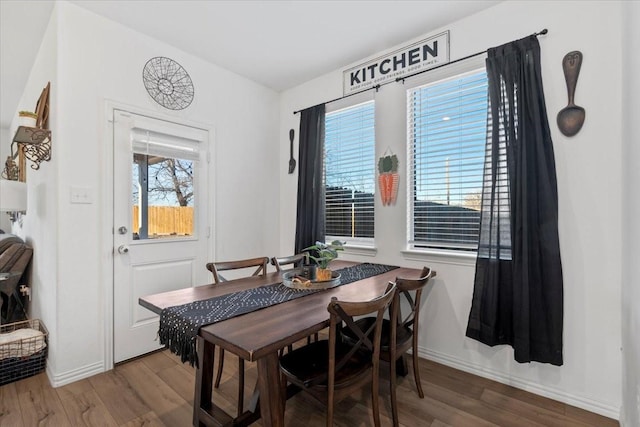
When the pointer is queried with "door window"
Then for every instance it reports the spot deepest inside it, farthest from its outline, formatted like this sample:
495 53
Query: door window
162 186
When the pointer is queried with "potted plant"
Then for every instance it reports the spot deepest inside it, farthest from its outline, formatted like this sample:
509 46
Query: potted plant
322 254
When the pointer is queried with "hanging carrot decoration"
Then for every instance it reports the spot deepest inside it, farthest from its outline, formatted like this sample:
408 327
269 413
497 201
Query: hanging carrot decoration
388 179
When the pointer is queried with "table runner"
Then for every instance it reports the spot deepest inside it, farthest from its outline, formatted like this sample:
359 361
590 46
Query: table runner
179 325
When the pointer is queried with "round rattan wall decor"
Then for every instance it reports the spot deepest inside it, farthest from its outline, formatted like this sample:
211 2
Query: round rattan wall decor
168 83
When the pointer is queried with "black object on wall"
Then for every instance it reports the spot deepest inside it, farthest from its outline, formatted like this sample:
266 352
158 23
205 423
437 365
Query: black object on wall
571 118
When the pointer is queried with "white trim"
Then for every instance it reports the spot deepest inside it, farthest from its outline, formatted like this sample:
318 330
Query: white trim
106 243
360 250
467 66
106 246
58 380
599 407
451 70
351 101
467 259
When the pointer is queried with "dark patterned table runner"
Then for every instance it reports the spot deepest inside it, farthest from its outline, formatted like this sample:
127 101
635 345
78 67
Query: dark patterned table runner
179 325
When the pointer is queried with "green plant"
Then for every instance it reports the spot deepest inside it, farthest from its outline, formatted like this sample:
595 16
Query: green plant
323 253
388 164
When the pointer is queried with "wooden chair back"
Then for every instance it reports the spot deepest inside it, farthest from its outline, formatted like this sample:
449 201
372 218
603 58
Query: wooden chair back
260 265
411 290
331 370
296 260
342 315
216 267
399 343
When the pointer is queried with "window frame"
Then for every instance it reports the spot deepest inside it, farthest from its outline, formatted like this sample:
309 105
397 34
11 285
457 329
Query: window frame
415 250
361 245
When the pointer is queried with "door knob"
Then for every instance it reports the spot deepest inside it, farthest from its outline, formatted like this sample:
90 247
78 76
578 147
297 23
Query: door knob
123 249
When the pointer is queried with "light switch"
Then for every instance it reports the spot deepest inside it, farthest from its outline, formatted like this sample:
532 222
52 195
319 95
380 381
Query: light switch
81 195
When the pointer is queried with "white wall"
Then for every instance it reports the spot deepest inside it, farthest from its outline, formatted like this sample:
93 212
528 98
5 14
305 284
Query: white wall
630 214
590 199
98 59
5 150
40 224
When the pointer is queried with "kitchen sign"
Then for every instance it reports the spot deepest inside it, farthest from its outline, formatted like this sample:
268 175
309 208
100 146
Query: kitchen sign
419 56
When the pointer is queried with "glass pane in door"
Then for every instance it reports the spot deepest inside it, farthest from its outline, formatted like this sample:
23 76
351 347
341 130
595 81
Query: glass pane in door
162 197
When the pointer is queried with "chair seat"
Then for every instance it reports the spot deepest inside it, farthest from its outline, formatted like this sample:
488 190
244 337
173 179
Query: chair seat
309 365
404 333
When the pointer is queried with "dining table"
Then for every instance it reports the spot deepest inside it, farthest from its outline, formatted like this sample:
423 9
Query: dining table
259 335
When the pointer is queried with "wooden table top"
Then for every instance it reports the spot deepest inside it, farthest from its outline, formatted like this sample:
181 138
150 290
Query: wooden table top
255 334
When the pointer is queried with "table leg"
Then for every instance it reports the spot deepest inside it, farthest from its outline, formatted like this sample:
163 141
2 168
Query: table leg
204 378
271 396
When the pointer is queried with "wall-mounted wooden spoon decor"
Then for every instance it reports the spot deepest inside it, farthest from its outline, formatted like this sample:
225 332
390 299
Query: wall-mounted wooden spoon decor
571 117
292 161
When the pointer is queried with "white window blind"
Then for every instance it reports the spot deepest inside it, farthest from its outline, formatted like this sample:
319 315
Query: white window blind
349 172
447 134
159 144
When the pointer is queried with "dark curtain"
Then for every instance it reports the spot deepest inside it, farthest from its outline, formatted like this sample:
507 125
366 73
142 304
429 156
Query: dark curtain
518 289
310 208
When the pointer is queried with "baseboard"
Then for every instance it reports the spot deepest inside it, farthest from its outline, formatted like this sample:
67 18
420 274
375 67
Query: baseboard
58 380
591 405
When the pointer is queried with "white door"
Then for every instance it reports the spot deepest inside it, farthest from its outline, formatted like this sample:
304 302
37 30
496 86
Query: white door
161 224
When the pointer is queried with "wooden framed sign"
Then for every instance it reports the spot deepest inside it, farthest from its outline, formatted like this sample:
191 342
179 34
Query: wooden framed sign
418 56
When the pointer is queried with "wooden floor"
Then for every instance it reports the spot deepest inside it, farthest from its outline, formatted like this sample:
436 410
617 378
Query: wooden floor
157 390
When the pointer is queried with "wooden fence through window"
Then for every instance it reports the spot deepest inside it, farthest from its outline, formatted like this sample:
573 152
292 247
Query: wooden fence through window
166 221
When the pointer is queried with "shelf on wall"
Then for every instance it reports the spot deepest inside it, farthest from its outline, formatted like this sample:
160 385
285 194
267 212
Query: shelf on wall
35 143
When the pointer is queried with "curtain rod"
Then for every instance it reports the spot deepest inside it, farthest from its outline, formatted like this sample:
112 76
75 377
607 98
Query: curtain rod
402 79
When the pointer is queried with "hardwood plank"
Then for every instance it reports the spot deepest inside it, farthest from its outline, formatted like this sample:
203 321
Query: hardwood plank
477 408
10 414
35 382
587 417
452 379
447 413
42 407
117 394
150 419
529 411
166 403
352 411
129 392
86 409
157 361
186 366
533 399
74 389
181 383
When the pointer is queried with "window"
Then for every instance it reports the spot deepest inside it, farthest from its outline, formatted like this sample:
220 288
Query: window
447 135
162 187
349 173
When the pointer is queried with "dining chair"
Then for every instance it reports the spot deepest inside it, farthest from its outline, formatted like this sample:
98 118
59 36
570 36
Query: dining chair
260 265
403 332
296 261
330 370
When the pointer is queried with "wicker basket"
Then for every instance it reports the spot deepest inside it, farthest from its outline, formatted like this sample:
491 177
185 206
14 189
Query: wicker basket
23 357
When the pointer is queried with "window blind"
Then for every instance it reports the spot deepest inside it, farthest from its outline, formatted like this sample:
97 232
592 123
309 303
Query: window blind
447 134
159 144
349 172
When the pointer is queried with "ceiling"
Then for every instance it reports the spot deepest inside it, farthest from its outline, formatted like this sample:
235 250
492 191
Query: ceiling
279 44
